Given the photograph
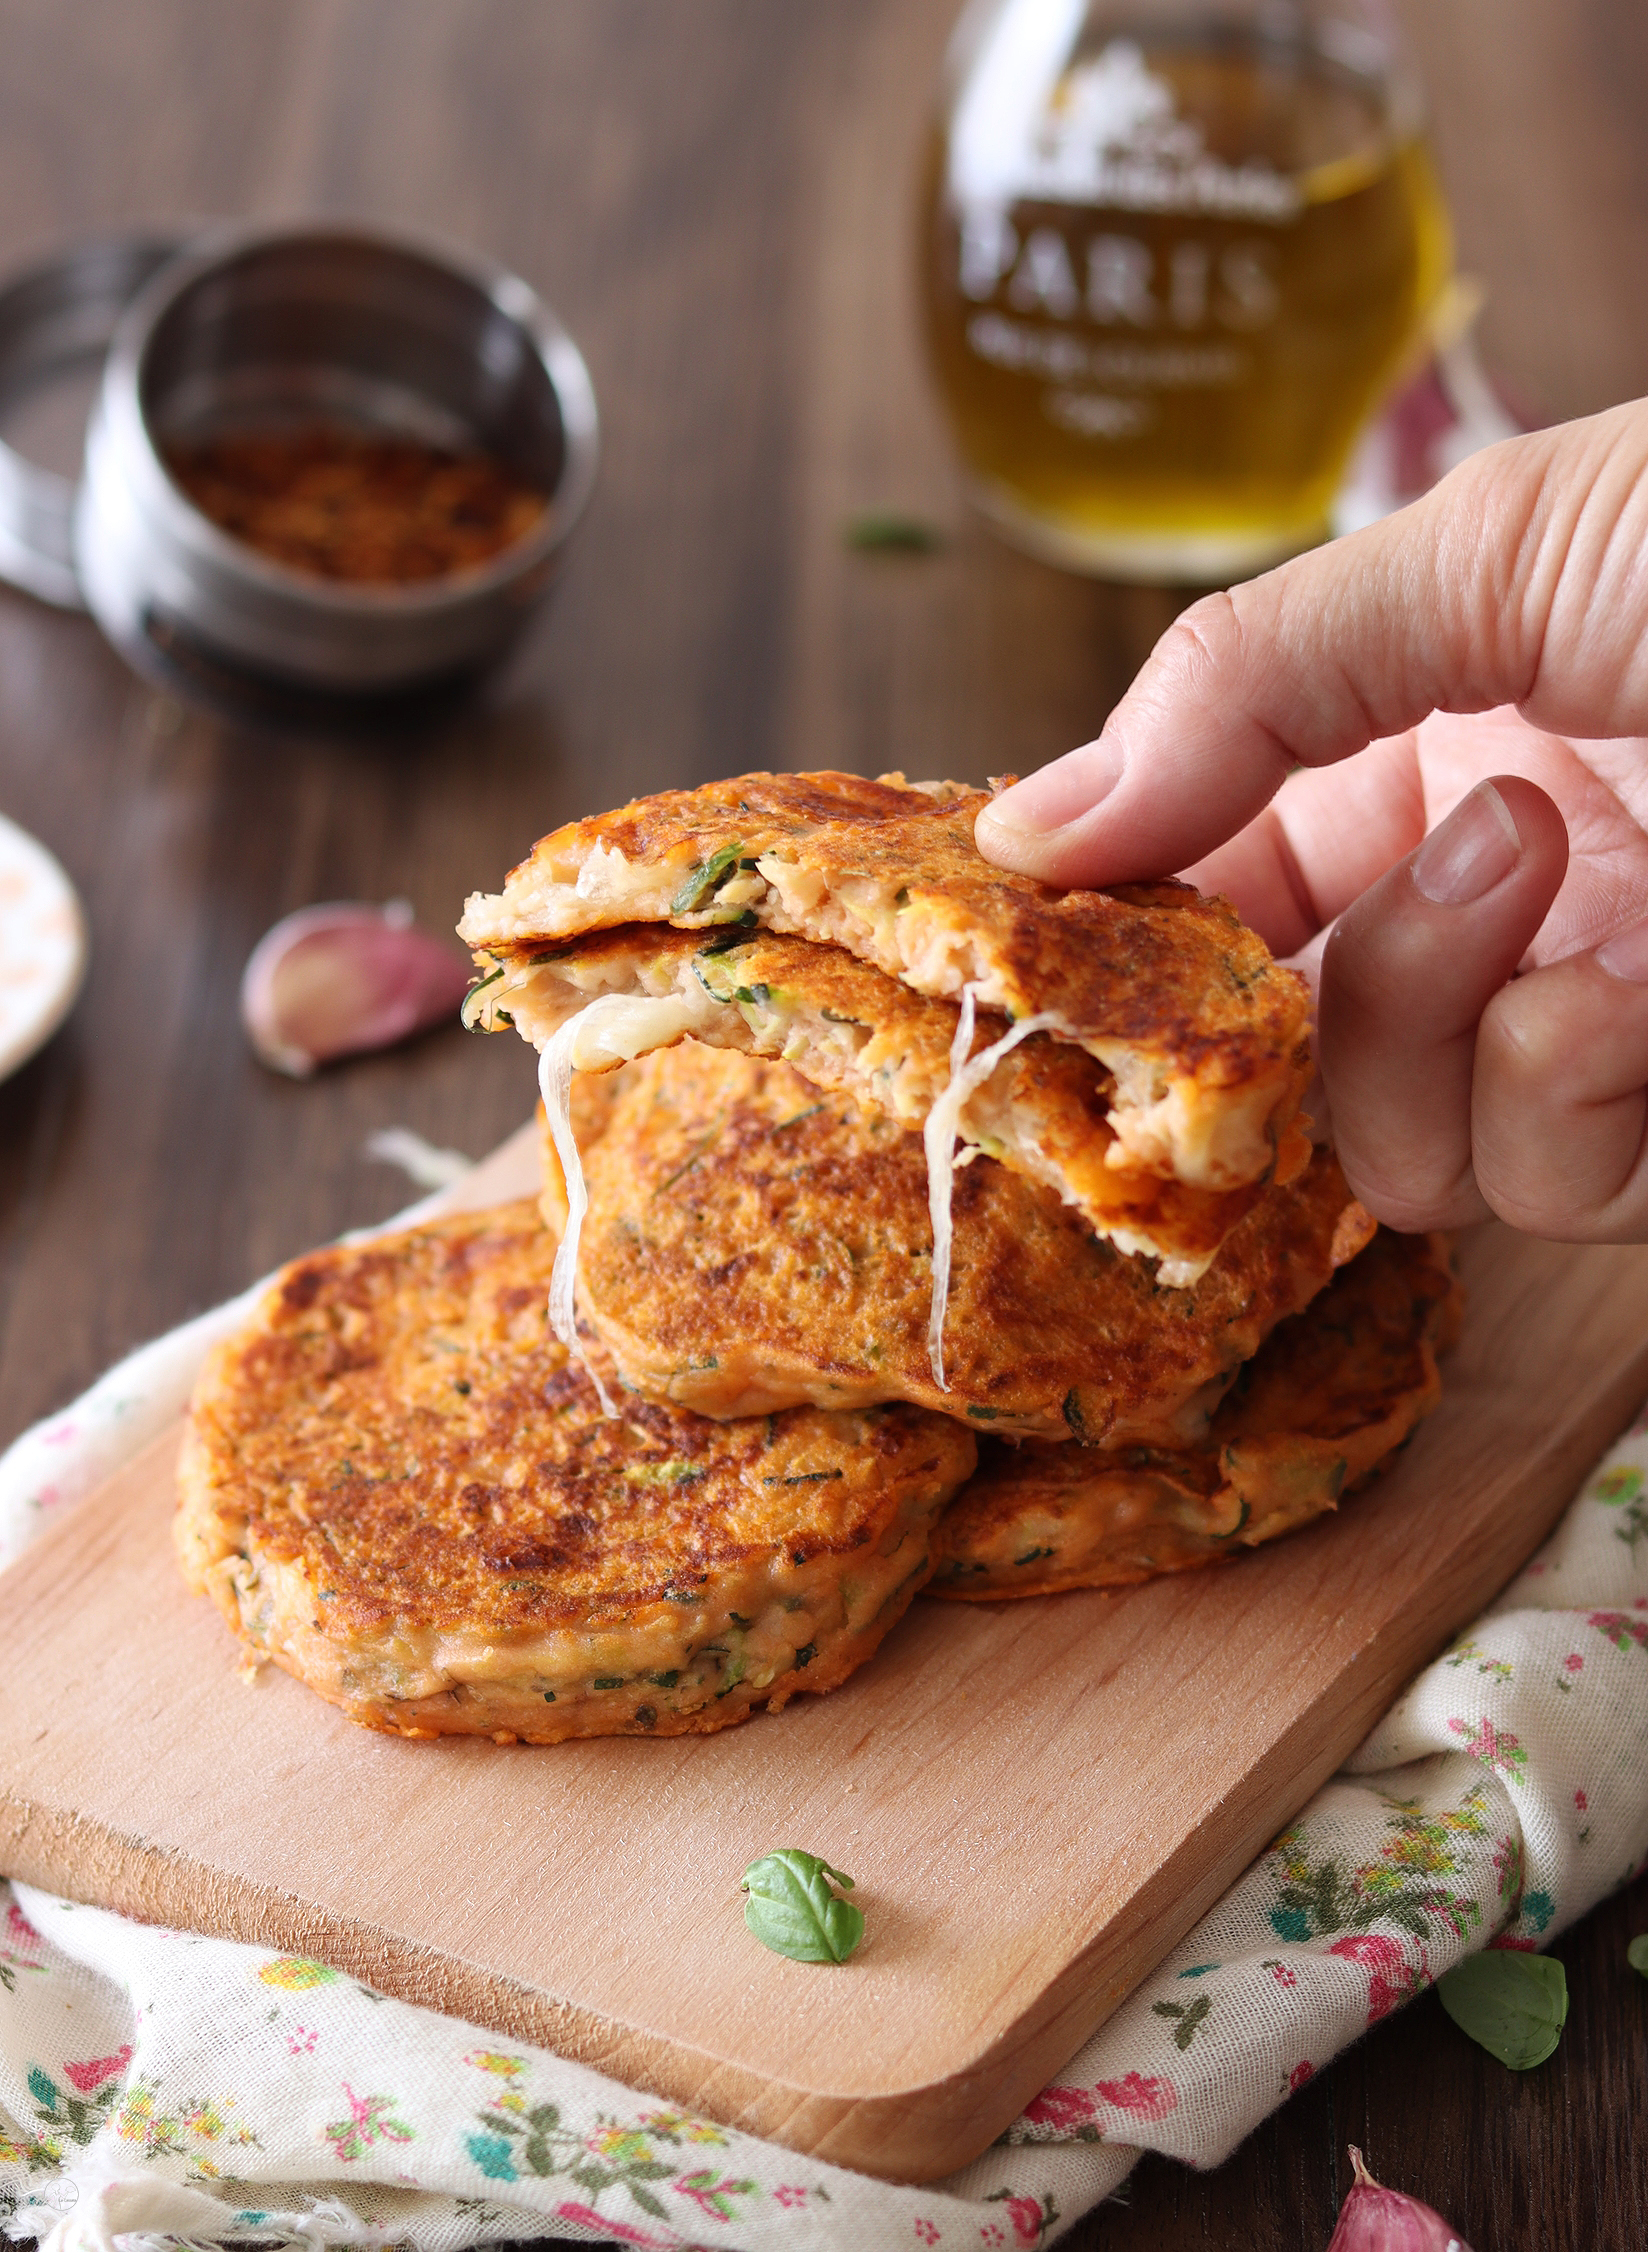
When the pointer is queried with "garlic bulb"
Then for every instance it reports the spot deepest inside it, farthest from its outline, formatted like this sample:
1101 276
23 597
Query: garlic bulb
340 979
1375 2219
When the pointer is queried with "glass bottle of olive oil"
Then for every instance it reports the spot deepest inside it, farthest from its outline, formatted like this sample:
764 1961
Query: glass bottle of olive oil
1174 254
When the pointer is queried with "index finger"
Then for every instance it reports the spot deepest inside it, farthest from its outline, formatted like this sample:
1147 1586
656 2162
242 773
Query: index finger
1516 581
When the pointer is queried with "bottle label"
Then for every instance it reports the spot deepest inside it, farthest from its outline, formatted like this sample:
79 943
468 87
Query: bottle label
1107 134
1117 281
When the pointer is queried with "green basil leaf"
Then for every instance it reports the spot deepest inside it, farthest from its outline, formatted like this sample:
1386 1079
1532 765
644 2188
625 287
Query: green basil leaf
792 1910
1512 2004
1637 1953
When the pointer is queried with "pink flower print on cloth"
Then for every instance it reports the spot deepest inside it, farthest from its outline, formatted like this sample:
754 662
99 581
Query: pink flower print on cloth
1032 2218
1065 2112
1390 1980
21 1948
96 2070
1625 1632
713 2192
1139 2096
1068 2108
372 2120
621 2232
20 1933
1496 1748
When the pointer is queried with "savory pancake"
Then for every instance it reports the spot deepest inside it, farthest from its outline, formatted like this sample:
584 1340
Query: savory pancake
1201 1031
1328 1399
395 1486
752 1243
851 1029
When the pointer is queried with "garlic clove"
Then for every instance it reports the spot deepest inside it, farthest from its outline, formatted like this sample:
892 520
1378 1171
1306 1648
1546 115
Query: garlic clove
342 978
1376 2219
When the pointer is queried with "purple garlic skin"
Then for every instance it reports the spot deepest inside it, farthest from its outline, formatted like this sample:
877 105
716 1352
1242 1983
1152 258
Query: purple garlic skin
1375 2219
344 978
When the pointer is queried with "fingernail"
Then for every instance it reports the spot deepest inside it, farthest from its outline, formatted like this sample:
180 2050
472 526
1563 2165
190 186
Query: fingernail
1475 848
1626 955
1057 794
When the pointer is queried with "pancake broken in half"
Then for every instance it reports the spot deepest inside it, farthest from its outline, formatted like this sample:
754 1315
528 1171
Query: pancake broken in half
752 1243
1322 1407
1201 1032
395 1486
1044 1111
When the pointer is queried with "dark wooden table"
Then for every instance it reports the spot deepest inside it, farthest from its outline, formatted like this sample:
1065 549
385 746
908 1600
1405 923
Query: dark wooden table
717 197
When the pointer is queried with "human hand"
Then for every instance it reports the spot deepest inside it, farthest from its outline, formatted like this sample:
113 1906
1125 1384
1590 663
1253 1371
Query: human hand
1463 851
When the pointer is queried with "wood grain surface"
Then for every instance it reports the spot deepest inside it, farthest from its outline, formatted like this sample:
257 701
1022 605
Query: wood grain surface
717 200
974 1775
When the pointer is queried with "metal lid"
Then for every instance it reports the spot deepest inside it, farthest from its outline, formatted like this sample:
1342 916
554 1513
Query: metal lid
55 317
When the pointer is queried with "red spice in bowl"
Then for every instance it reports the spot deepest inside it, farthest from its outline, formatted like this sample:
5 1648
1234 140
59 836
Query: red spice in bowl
336 504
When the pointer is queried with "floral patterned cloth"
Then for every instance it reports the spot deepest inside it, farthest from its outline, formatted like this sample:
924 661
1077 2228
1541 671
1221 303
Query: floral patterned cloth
159 2085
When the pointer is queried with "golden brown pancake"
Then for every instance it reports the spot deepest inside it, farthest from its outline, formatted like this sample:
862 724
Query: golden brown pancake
1325 1403
852 1029
752 1243
394 1486
1202 1032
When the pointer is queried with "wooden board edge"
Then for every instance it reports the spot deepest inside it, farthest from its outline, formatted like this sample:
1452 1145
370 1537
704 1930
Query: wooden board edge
63 1854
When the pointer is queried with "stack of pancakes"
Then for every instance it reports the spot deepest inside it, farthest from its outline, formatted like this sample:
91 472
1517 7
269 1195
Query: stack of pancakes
930 1228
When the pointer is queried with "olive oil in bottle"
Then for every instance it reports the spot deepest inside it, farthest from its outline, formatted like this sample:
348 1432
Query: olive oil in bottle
1172 262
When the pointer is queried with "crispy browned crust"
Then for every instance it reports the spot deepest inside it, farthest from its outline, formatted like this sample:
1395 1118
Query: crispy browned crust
1045 1110
751 1242
395 1486
1320 1410
892 873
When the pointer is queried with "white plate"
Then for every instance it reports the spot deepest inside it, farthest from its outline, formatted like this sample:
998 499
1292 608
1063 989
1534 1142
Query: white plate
42 946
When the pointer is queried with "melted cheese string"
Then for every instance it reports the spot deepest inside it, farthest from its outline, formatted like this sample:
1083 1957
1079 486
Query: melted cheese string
555 1085
939 1138
614 1028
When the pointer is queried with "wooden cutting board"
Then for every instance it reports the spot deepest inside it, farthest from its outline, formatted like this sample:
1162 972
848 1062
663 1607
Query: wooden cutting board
1037 1799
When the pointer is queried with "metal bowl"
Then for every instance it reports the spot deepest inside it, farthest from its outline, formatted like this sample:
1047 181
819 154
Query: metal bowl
266 326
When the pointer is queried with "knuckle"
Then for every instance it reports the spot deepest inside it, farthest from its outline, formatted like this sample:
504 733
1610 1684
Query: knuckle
1564 1175
1525 1035
1417 1197
1552 1217
1201 645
